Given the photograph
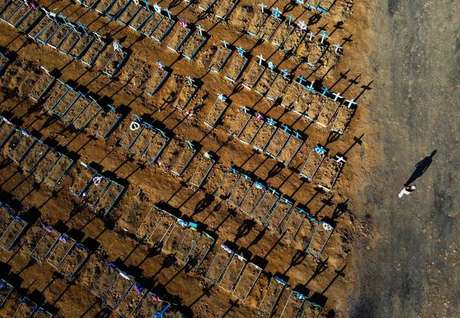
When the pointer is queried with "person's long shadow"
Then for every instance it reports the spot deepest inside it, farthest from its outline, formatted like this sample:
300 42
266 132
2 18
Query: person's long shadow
420 168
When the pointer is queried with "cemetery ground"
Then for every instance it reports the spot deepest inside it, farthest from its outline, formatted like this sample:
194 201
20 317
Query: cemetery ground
141 135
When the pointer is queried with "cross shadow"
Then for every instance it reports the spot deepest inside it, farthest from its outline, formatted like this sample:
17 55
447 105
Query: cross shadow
420 168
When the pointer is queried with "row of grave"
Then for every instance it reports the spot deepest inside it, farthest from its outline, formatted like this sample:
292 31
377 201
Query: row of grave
266 24
189 39
100 192
222 264
72 39
15 303
49 167
265 134
70 258
300 95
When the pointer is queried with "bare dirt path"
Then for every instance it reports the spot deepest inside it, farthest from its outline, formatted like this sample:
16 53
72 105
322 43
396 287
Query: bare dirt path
412 267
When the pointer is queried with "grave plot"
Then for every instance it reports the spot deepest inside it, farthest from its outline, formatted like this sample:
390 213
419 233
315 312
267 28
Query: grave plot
291 148
315 107
234 271
330 171
220 263
28 20
18 145
91 272
216 180
157 79
45 34
313 161
266 81
243 185
131 300
303 101
74 261
66 101
291 225
104 279
256 294
26 308
203 245
153 306
178 36
199 168
60 35
44 245
194 43
236 65
88 3
178 155
117 8
320 237
112 60
216 112
12 11
53 174
157 226
272 294
119 288
342 119
41 85
251 129
126 15
154 18
272 22
293 305
142 17
6 216
188 88
163 28
31 237
43 24
265 134
292 93
12 233
264 205
55 94
6 130
311 309
236 120
83 41
283 32
306 229
295 38
93 51
103 6
258 20
181 241
277 88
144 140
99 120
252 197
102 193
246 281
220 57
255 71
60 250
278 213
5 291
224 8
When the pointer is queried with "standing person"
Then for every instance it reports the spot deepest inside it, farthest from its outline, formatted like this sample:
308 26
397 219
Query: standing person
406 190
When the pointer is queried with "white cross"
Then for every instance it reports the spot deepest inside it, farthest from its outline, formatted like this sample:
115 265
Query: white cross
160 65
221 97
225 43
311 87
340 159
351 102
157 8
200 29
336 96
189 80
324 36
302 25
261 59
262 7
310 36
